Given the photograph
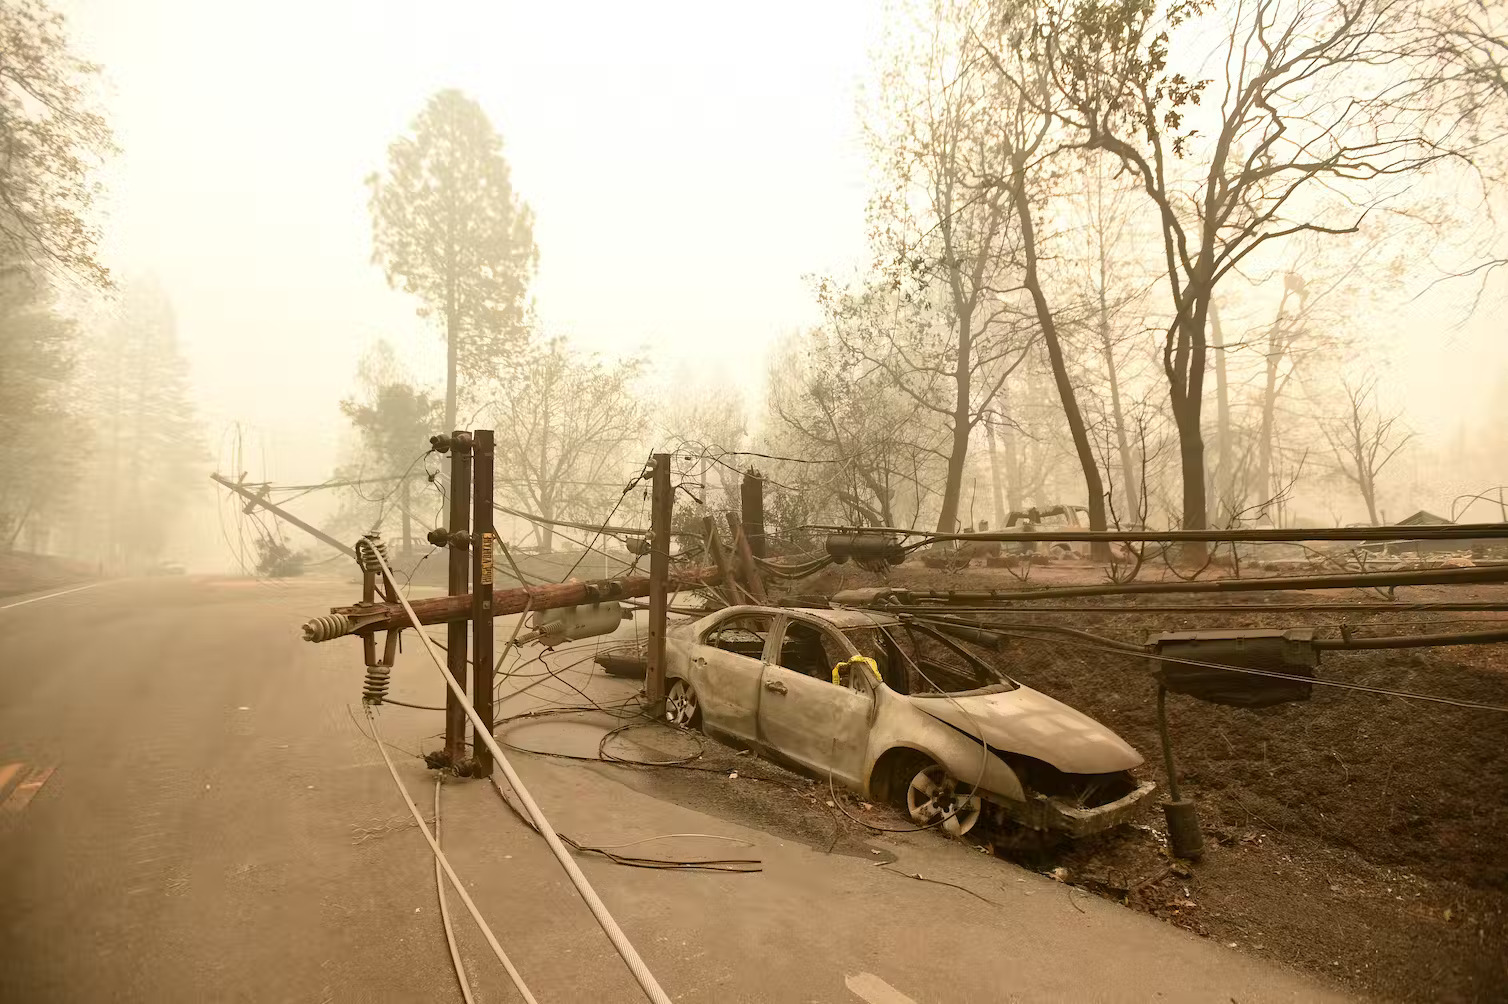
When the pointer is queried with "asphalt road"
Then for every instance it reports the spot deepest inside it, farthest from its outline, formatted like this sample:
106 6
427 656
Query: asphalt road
190 813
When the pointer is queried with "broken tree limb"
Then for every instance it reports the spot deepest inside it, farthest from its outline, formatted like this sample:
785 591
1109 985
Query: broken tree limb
719 558
362 618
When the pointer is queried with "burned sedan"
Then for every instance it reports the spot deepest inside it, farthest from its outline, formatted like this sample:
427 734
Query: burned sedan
900 711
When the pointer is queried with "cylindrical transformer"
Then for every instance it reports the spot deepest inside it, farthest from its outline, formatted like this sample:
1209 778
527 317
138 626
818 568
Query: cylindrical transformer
571 623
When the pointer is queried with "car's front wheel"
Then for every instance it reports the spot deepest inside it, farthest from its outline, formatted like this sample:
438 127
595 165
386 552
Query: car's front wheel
935 798
682 709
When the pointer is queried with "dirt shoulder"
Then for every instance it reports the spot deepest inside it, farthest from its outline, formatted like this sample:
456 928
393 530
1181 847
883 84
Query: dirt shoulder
21 573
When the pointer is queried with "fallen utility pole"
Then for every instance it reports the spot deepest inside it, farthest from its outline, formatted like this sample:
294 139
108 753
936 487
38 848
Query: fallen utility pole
283 514
1376 534
1357 580
346 620
1223 609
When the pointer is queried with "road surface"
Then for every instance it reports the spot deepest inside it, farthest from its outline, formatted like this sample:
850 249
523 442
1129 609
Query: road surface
191 813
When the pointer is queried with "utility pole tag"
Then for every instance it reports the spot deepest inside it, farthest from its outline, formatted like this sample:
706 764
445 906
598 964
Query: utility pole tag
487 539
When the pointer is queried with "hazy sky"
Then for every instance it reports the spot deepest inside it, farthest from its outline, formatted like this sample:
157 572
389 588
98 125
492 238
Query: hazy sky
688 164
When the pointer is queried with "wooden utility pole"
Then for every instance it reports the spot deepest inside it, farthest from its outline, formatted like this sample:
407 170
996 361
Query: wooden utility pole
459 584
358 618
481 612
752 497
283 514
661 495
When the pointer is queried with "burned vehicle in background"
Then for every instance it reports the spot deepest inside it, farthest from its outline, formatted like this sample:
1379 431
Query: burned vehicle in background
900 711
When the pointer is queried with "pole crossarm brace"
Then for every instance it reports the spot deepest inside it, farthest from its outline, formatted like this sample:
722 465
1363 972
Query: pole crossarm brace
1376 534
255 500
362 618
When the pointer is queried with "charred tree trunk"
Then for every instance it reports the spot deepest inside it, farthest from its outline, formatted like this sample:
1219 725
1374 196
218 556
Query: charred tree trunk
1184 362
1130 489
1013 499
1093 485
1266 433
947 519
1224 474
997 494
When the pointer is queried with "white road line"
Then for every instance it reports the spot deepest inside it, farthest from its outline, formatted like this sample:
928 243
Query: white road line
38 599
874 990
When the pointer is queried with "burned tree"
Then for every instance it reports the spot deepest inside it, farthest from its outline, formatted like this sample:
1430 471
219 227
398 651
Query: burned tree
932 324
1363 437
1320 113
566 423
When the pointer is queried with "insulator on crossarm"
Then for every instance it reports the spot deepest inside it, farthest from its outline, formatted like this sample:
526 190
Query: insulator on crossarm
364 552
328 627
374 687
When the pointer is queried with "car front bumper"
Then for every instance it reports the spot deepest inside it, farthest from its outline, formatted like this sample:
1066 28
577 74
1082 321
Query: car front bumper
1043 813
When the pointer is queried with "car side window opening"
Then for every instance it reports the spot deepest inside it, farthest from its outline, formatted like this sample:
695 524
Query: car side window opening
916 660
742 635
810 651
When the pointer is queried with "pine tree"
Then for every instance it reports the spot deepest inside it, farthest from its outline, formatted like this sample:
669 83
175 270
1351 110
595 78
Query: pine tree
448 228
147 441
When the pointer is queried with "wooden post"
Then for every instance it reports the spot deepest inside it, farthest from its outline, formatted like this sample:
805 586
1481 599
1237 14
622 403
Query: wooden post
752 497
481 614
459 584
659 578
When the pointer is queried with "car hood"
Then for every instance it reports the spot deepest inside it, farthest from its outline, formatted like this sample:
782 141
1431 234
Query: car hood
1031 723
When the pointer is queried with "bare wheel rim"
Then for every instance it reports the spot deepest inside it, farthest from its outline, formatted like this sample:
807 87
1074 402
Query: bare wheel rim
933 799
680 704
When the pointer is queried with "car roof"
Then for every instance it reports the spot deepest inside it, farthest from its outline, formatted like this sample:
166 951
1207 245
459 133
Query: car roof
839 618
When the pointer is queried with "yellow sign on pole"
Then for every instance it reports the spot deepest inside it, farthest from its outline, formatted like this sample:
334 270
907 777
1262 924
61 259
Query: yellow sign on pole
487 539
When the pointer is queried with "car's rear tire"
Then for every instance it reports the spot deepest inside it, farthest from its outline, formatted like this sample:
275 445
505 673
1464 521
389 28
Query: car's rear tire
683 708
933 797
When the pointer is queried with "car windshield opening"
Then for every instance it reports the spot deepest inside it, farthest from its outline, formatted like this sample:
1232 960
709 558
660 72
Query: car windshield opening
742 635
917 660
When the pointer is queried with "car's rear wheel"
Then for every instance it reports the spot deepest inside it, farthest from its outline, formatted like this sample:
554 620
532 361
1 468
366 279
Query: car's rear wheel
935 798
682 708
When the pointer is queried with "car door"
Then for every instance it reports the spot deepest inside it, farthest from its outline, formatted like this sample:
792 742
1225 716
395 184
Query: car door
727 662
803 716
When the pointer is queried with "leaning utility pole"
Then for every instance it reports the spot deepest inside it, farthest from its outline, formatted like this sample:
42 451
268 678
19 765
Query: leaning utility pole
255 500
661 494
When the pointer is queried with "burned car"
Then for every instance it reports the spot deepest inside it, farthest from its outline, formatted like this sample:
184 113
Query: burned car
899 710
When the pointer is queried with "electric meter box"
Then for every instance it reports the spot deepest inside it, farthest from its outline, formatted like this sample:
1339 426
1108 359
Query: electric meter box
572 623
